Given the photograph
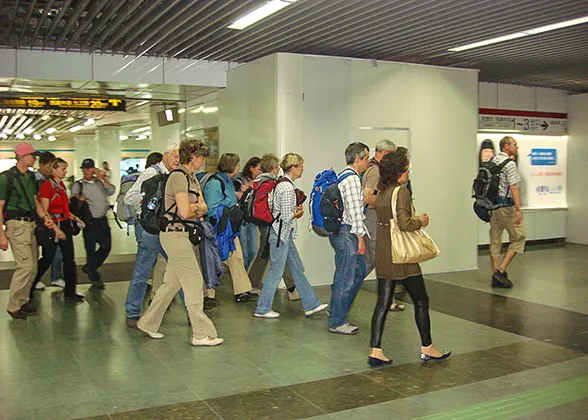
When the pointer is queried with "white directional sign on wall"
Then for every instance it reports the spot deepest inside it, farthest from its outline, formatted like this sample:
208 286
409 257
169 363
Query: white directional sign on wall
523 121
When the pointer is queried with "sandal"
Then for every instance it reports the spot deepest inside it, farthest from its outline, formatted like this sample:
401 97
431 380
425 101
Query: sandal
395 307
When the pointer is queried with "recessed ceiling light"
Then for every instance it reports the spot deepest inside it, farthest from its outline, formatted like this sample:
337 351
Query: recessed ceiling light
143 85
89 121
51 130
69 119
45 117
3 136
521 34
122 138
260 13
29 131
138 130
51 138
7 131
37 137
20 136
142 137
210 110
181 110
76 128
198 109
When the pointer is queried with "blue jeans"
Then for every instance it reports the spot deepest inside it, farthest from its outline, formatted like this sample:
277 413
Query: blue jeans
249 243
286 253
349 274
57 266
148 247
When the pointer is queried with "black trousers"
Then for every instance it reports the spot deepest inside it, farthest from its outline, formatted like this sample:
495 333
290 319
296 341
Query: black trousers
97 233
69 264
415 286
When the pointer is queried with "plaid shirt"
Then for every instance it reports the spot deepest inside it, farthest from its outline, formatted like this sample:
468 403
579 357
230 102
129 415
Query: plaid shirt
352 194
284 206
509 175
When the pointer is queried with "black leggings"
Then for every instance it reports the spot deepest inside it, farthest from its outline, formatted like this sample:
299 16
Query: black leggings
69 264
415 286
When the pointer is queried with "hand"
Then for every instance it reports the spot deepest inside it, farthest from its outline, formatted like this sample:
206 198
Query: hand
239 194
299 212
424 219
3 243
360 246
518 217
81 197
47 221
80 223
371 200
60 235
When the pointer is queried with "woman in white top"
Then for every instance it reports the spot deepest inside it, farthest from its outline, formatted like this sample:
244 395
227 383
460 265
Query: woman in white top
282 247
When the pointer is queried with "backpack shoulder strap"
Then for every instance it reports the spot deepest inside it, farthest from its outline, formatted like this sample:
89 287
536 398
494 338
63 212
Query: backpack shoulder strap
222 183
345 174
503 164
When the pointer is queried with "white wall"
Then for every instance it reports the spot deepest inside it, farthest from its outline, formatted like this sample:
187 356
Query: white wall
522 98
577 169
317 103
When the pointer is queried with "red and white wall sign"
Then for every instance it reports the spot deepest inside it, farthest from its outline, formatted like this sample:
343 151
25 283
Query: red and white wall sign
529 122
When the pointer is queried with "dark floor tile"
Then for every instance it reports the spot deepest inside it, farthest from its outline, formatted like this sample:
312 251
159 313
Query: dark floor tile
483 364
416 378
536 353
268 404
345 392
184 411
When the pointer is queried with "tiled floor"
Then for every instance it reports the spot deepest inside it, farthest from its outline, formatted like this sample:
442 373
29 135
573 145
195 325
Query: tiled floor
80 360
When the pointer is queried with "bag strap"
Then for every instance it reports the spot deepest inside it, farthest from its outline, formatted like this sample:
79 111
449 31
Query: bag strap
395 202
345 174
503 164
27 198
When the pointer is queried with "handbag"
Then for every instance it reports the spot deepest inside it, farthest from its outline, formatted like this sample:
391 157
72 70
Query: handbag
410 247
43 234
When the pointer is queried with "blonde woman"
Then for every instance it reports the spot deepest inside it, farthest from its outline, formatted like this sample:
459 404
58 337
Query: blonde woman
282 247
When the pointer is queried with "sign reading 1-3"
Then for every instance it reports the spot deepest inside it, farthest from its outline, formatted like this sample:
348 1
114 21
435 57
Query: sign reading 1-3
39 102
523 121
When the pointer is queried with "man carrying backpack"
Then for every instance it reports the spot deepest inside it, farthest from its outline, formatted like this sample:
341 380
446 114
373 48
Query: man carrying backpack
148 245
509 216
348 243
18 192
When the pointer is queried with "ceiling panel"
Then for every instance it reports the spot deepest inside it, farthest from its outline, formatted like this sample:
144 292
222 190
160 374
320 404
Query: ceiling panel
417 31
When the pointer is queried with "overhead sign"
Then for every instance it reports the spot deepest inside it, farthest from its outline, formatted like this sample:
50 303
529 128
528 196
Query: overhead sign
523 121
39 102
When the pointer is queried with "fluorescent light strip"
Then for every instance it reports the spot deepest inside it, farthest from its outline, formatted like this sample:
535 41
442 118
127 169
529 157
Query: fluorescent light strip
3 120
138 130
521 34
260 13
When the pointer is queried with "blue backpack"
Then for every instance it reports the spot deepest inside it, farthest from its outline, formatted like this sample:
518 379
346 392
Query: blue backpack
326 203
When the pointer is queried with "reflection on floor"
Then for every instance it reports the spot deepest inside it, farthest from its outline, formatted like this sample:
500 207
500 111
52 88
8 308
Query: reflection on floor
80 360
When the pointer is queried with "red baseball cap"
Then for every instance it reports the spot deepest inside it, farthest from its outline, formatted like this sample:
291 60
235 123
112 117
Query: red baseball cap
23 149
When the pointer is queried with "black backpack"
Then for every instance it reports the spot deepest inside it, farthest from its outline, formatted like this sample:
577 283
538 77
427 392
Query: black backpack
153 209
331 206
485 188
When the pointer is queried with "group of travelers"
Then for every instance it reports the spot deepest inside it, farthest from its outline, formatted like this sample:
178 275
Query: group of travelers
189 224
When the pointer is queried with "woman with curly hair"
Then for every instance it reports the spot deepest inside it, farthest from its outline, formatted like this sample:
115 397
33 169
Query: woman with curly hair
393 174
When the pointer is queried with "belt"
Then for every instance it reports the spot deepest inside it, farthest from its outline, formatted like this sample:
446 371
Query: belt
22 219
175 229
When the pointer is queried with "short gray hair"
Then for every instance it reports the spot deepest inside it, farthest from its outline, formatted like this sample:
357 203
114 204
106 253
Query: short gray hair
385 145
172 148
354 150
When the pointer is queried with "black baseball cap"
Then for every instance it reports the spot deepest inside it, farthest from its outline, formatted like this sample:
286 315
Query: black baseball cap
88 164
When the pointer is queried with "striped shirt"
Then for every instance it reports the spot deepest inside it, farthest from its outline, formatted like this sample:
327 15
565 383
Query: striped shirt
284 206
509 175
352 195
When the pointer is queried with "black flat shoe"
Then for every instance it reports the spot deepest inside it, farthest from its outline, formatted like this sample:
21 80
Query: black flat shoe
74 297
425 357
244 297
375 362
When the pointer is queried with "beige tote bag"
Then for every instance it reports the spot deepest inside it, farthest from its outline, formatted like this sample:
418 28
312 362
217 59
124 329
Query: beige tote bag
410 247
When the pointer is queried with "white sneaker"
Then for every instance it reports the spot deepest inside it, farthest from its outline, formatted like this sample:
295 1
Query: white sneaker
40 286
317 309
208 341
346 328
293 295
270 314
58 283
154 335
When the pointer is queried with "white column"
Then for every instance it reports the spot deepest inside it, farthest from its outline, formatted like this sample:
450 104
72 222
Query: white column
107 139
85 146
162 137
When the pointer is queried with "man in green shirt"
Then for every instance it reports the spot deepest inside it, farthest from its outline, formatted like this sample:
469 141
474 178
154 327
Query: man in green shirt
19 209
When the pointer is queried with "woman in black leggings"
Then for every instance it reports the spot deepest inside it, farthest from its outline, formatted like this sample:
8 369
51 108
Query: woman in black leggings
394 173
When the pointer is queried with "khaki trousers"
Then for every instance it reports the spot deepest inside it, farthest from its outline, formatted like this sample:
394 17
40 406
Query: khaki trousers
504 218
236 263
158 274
21 237
182 272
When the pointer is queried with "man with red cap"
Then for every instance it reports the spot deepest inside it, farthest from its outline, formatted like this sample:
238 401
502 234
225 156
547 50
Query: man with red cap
19 211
